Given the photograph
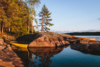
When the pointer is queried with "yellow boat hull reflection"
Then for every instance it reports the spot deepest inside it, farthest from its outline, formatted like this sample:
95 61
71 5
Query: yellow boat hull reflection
21 49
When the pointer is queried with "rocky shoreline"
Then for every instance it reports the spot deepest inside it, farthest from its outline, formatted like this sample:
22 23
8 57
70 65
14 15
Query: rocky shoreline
8 58
56 40
47 39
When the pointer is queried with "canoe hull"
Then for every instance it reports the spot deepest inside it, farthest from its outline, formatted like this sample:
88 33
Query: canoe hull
83 38
17 44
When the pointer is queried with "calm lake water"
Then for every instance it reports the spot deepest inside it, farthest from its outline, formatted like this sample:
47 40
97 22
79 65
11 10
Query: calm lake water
68 56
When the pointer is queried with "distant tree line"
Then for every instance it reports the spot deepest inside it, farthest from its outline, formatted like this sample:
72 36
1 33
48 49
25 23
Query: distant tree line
84 33
16 16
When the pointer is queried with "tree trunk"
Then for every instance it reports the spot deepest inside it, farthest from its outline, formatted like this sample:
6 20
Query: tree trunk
9 29
1 27
32 27
42 25
28 28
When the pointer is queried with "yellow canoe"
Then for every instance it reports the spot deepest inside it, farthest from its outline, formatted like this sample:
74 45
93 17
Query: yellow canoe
17 44
83 38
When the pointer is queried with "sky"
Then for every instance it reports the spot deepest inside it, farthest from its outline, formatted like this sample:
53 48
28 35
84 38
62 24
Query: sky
73 15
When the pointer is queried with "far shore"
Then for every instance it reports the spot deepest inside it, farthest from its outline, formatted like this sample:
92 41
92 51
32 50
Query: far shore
85 33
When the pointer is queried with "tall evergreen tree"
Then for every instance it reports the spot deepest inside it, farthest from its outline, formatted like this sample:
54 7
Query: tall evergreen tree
31 4
45 20
12 16
17 15
3 17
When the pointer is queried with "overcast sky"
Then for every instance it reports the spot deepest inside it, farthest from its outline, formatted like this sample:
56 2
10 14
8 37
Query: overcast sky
73 15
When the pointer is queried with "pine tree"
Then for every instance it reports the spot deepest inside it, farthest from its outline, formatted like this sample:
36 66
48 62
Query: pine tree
12 16
45 21
3 17
17 16
31 4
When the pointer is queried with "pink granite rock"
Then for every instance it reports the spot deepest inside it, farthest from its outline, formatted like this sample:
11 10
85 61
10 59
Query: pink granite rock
49 40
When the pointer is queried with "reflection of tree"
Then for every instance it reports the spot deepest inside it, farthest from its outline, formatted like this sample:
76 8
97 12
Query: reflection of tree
45 61
32 62
24 57
42 56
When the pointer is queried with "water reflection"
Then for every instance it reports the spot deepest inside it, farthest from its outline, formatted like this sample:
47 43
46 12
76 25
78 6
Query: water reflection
21 49
87 49
62 56
42 52
23 54
41 56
